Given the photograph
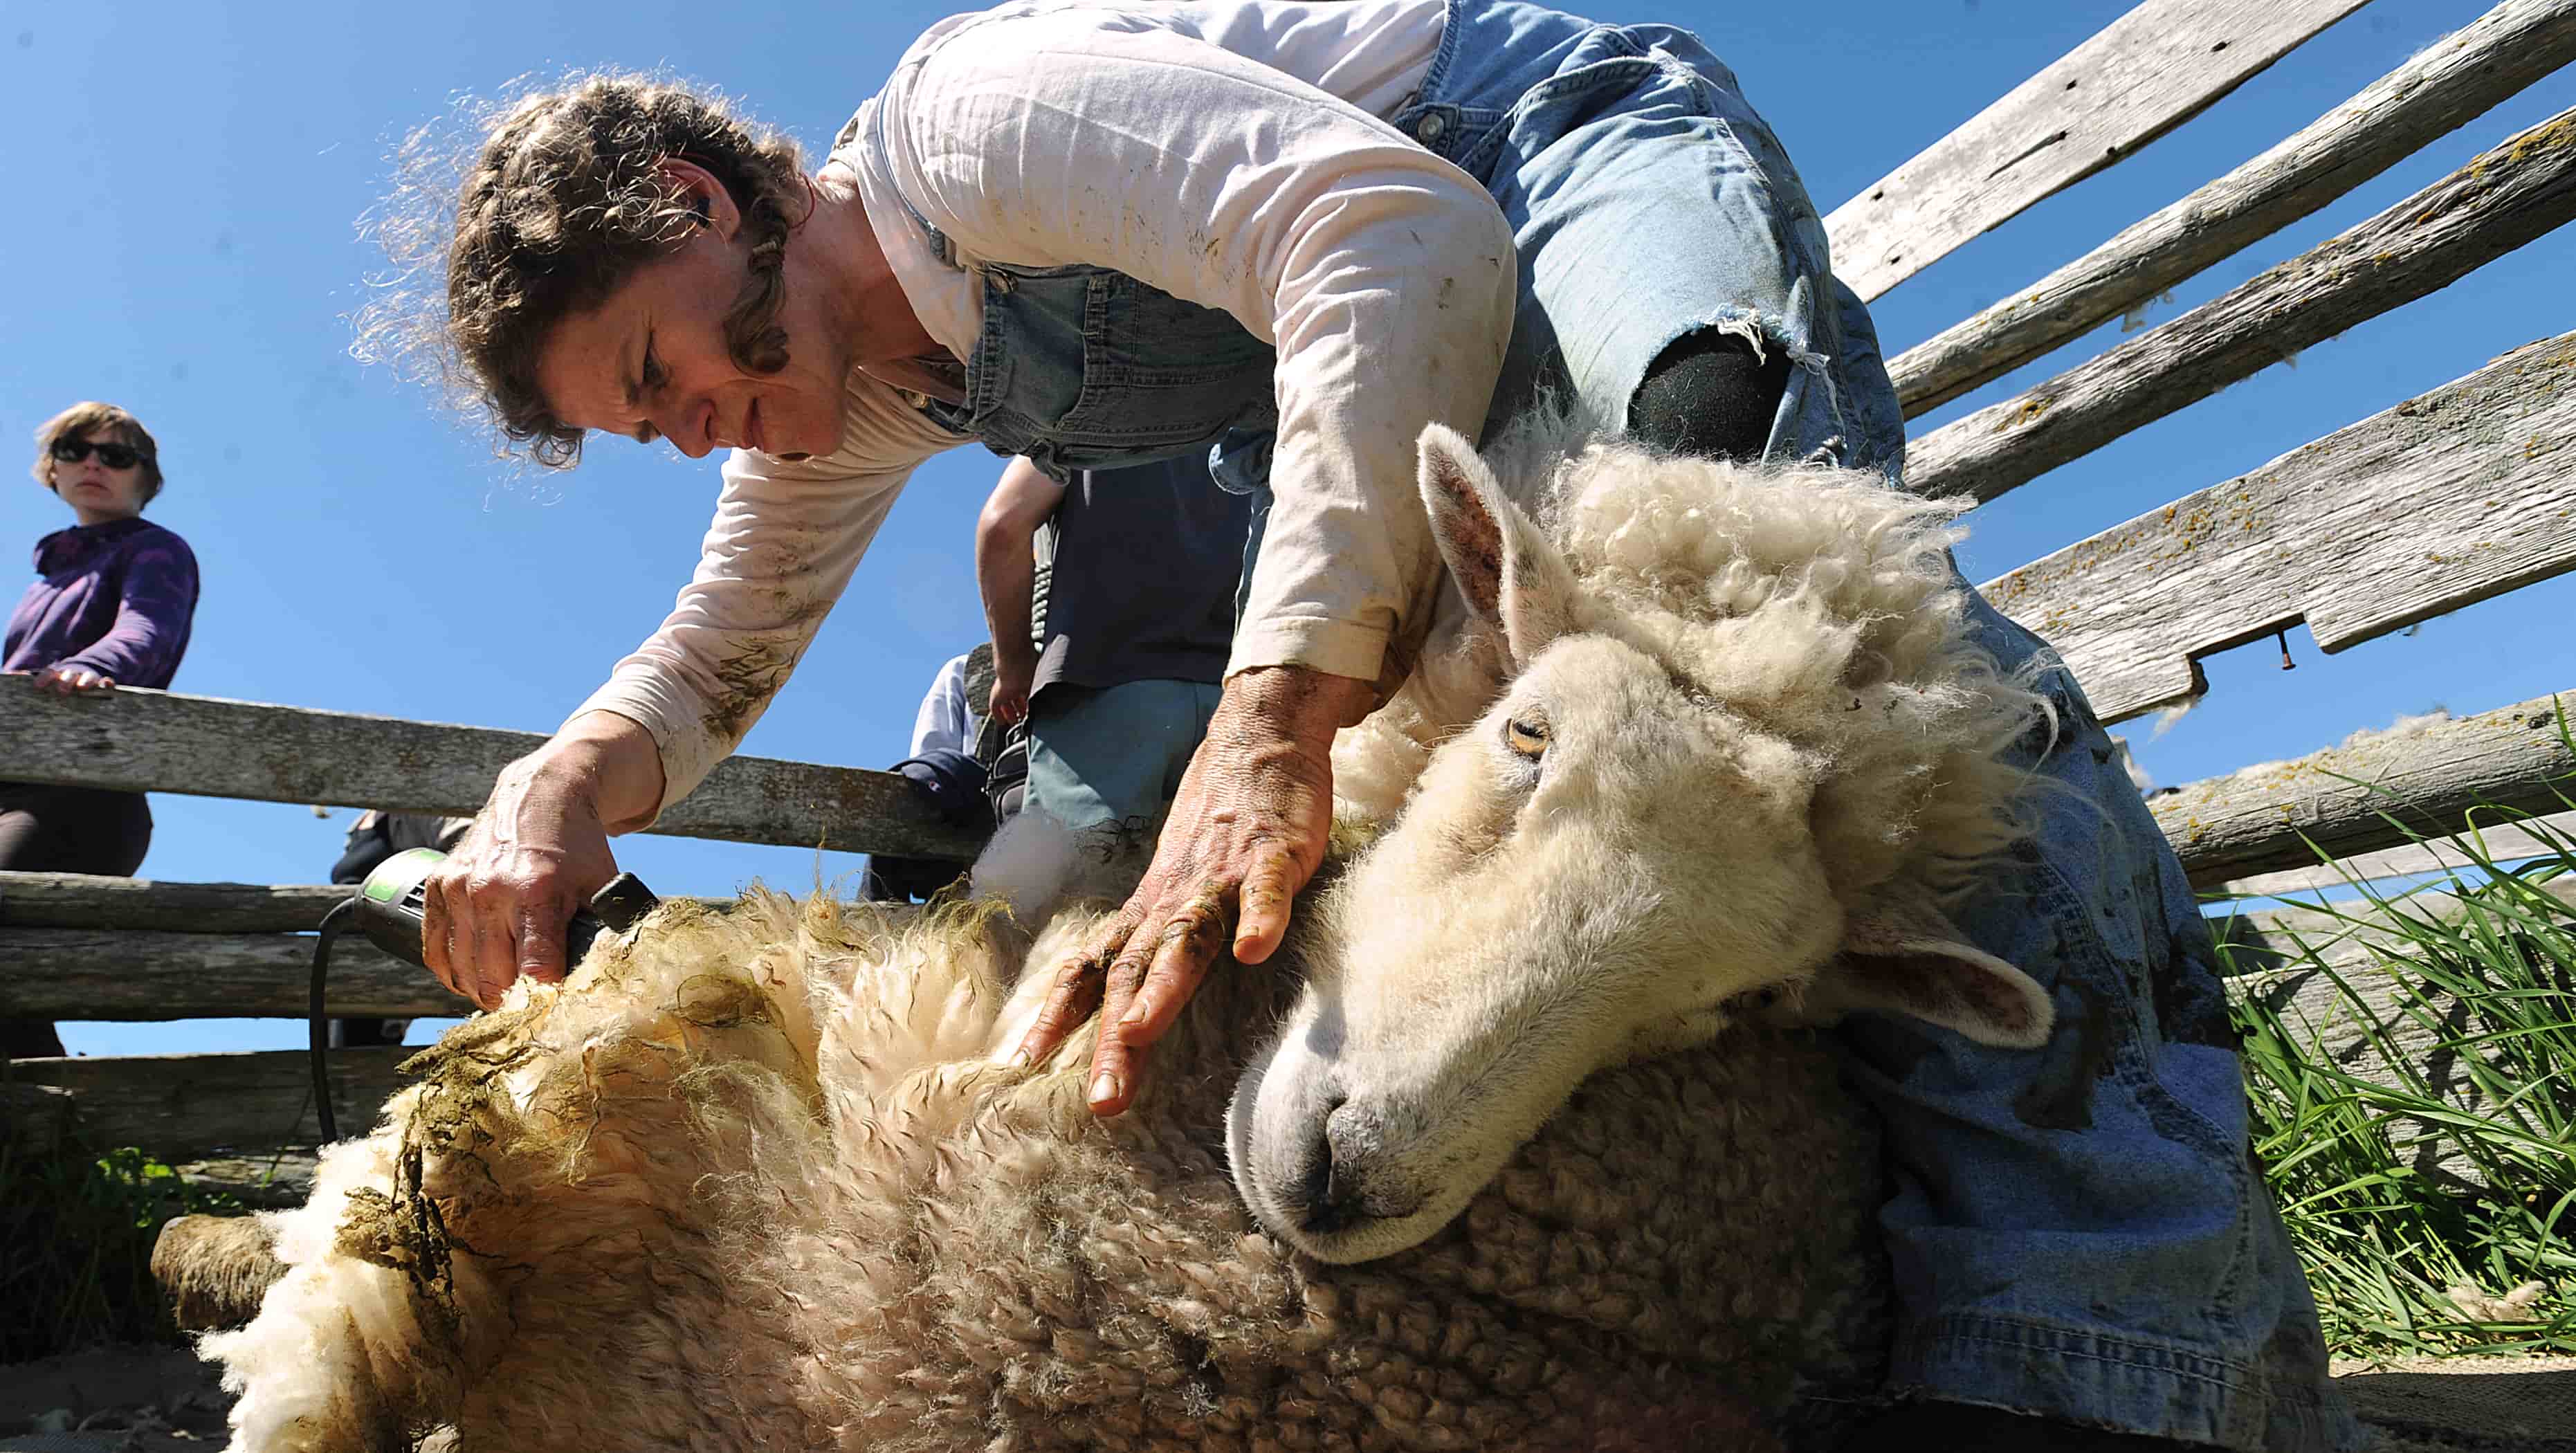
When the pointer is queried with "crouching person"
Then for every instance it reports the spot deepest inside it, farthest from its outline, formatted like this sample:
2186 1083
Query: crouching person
1115 670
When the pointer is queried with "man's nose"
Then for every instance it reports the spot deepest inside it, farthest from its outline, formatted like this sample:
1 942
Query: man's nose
690 428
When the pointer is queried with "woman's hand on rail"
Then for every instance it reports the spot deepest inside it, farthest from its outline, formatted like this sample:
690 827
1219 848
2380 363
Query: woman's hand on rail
1245 834
63 680
498 907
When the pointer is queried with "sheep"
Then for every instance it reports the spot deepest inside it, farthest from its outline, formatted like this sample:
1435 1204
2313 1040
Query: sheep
214 1269
1747 744
1516 1144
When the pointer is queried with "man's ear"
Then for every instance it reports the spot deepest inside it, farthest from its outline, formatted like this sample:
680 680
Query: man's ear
1900 954
703 194
1512 578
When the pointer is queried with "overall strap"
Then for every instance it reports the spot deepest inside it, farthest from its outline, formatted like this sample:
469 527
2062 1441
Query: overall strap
939 242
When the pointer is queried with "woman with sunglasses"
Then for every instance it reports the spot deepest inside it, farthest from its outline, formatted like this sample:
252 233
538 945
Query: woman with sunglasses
110 606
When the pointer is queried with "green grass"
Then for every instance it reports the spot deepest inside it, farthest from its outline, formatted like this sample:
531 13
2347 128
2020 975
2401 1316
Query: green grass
76 1233
2385 1235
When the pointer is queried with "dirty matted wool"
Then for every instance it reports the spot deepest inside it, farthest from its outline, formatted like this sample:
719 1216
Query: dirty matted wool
760 1179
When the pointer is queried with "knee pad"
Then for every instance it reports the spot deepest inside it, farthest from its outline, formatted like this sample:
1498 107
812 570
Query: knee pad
1709 394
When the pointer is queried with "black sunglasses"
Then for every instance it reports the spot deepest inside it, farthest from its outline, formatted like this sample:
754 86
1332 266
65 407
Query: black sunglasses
114 456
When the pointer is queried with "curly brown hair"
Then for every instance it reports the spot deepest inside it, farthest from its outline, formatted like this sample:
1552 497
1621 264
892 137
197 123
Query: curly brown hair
77 421
564 198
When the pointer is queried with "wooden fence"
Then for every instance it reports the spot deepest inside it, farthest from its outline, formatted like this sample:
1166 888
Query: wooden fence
2446 499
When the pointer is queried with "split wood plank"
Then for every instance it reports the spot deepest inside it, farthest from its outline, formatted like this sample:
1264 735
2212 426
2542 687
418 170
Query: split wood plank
146 974
78 900
2264 818
137 741
2444 87
2154 68
2449 498
2509 195
189 1104
2502 841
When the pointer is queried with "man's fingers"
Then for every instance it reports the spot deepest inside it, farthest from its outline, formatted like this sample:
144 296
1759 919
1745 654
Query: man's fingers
437 921
1268 888
495 916
541 943
1076 993
1182 951
1115 1065
1113 1079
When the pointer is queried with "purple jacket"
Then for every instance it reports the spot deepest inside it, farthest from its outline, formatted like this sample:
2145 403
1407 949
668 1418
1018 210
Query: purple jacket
116 598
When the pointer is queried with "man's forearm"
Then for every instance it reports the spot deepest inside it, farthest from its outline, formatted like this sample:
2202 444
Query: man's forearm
615 760
1006 577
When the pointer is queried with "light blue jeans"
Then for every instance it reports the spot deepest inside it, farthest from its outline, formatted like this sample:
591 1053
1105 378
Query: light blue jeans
2077 1230
1114 755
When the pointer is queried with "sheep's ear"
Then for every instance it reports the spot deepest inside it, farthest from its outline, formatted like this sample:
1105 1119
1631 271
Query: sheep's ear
1513 579
1902 955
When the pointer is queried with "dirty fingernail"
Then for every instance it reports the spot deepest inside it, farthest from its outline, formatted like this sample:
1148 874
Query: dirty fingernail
1139 1010
1019 1059
1104 1088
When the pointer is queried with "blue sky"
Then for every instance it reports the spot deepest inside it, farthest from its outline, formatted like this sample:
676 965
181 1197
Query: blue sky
188 245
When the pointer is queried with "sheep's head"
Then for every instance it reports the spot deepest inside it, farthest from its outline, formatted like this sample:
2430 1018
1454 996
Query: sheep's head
1652 831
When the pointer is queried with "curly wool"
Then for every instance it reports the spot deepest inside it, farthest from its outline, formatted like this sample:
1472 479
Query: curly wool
757 1179
1815 601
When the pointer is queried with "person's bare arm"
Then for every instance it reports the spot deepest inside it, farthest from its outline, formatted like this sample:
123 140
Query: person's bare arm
1006 575
498 906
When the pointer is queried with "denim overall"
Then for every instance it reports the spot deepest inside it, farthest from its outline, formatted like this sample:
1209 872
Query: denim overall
2077 1231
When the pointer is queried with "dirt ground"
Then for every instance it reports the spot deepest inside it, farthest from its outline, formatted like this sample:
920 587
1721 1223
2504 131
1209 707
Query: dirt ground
112 1400
163 1400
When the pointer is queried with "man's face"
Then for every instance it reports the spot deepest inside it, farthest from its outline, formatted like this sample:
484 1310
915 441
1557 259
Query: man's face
650 361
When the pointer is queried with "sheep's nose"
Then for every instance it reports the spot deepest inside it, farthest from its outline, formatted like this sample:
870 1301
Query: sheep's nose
1329 1193
1345 1181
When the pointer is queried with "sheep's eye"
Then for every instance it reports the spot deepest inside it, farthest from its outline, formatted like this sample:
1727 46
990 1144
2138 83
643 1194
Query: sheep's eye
1525 738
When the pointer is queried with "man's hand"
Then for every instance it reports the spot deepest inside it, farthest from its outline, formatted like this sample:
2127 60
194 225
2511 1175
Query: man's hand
62 680
1245 834
498 907
1009 701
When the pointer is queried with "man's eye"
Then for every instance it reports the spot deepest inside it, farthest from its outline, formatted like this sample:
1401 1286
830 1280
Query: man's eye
1525 738
654 377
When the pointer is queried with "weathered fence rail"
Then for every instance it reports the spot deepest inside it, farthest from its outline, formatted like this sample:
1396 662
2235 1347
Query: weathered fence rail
2372 793
2149 71
2498 838
184 1105
134 741
2450 84
2510 194
2442 501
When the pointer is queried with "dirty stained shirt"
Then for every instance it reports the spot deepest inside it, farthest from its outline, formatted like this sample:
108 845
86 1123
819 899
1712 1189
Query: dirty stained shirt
1236 155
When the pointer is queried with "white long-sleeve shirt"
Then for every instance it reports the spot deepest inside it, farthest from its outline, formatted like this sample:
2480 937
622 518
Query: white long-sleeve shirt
1231 153
947 721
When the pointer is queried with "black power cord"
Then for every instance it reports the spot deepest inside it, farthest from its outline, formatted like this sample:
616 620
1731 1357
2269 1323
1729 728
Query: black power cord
332 923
